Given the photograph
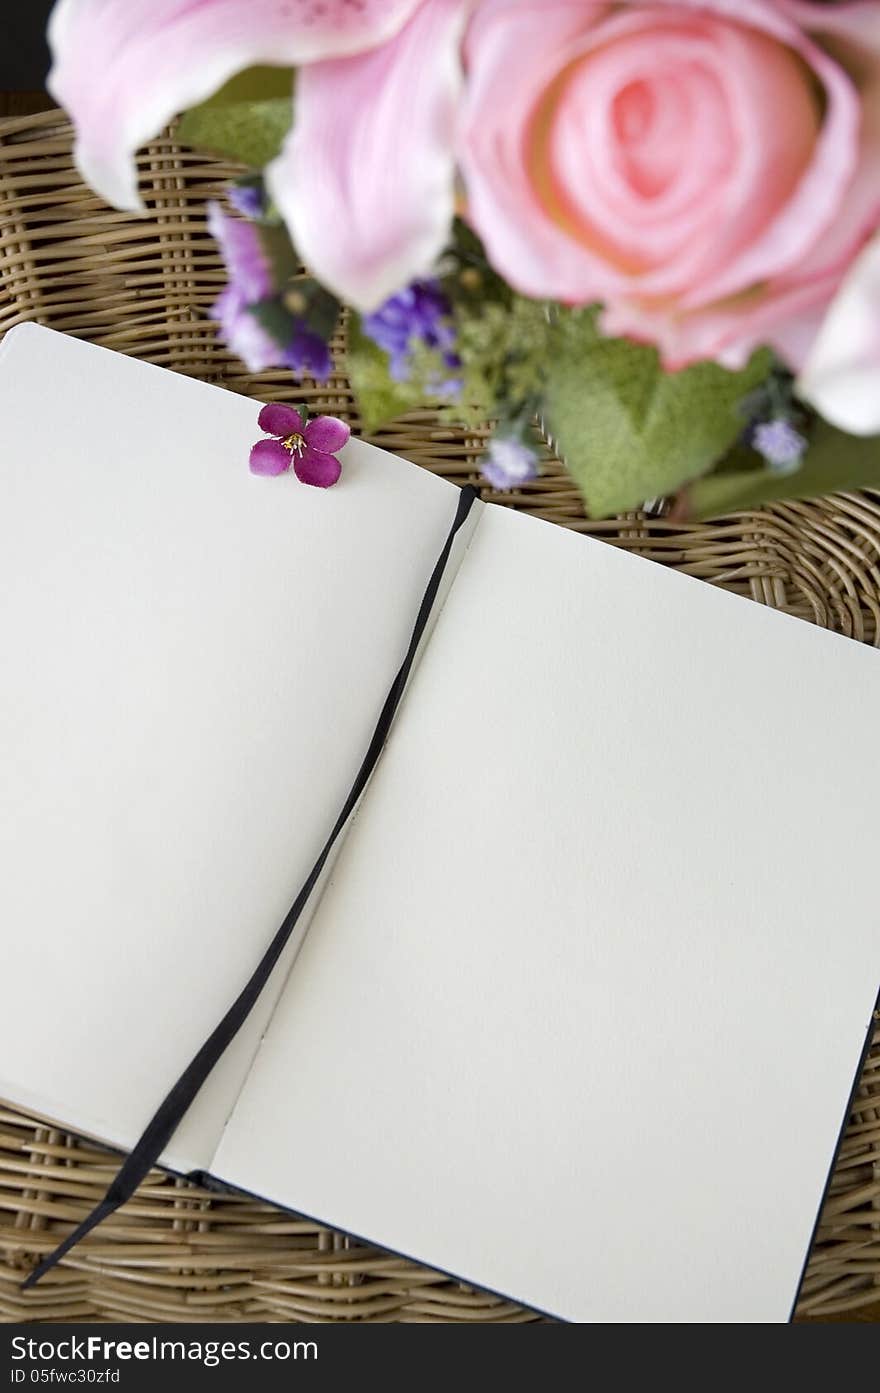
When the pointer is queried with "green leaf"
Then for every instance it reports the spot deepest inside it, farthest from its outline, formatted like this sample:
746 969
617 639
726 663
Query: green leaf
379 397
629 431
279 252
277 321
246 120
833 462
257 84
320 309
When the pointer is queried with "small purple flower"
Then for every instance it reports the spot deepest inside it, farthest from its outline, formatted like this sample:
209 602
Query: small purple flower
242 334
308 353
308 447
420 314
243 255
509 462
781 446
251 285
247 199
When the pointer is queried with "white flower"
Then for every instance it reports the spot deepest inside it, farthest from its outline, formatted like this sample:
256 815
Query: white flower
841 377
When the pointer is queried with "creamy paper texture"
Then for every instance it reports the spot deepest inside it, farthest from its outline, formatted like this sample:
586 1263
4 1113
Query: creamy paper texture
601 946
192 664
612 981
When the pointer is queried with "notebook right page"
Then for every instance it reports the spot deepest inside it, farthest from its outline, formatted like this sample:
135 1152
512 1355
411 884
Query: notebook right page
580 1011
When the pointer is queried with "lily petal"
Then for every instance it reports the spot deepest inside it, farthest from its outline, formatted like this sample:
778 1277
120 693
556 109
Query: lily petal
269 457
123 68
327 433
316 468
365 178
276 418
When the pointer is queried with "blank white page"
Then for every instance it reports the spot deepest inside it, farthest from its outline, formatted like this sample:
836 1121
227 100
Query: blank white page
580 1011
192 661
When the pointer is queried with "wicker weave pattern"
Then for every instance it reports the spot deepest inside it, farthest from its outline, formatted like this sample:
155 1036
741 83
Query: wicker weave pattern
143 286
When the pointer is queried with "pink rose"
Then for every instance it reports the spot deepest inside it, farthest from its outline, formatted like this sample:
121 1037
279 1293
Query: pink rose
708 169
700 166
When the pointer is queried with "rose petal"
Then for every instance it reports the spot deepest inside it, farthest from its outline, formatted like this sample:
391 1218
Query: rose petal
317 468
123 68
814 205
373 145
857 22
534 42
327 433
269 457
785 319
276 418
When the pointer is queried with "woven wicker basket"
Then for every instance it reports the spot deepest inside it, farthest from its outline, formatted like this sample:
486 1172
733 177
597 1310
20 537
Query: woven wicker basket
180 1253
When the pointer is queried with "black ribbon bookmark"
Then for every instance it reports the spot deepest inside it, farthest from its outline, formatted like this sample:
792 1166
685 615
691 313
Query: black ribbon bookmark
170 1112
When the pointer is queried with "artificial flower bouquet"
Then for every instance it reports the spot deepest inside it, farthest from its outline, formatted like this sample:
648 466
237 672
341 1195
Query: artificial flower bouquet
653 227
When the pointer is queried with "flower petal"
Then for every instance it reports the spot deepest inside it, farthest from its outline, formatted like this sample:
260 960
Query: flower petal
243 334
276 418
842 375
317 468
327 433
269 457
372 144
123 68
242 253
308 354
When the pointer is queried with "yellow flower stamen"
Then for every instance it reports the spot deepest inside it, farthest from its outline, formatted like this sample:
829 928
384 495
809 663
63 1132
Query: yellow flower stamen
294 443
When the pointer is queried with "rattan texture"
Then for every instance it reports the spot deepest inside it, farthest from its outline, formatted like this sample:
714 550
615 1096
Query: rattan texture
181 1253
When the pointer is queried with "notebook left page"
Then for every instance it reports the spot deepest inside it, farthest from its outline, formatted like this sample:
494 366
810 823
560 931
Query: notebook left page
193 660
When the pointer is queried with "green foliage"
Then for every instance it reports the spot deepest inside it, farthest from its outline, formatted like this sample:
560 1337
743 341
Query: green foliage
258 84
279 252
313 305
275 319
246 120
303 303
629 431
505 351
833 462
380 399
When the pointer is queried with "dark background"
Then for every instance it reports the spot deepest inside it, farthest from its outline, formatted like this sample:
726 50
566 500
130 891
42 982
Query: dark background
24 57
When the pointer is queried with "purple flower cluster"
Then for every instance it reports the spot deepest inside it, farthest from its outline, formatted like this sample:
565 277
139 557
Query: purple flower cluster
419 315
251 286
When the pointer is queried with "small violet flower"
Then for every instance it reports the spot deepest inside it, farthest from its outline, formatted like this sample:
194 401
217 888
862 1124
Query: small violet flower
310 448
509 462
420 314
250 284
781 446
308 353
248 199
243 254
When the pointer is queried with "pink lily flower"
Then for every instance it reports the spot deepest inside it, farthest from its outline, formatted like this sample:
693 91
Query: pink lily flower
309 448
124 68
587 174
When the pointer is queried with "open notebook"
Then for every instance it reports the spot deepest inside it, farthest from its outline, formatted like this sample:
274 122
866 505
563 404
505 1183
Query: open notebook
575 1009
